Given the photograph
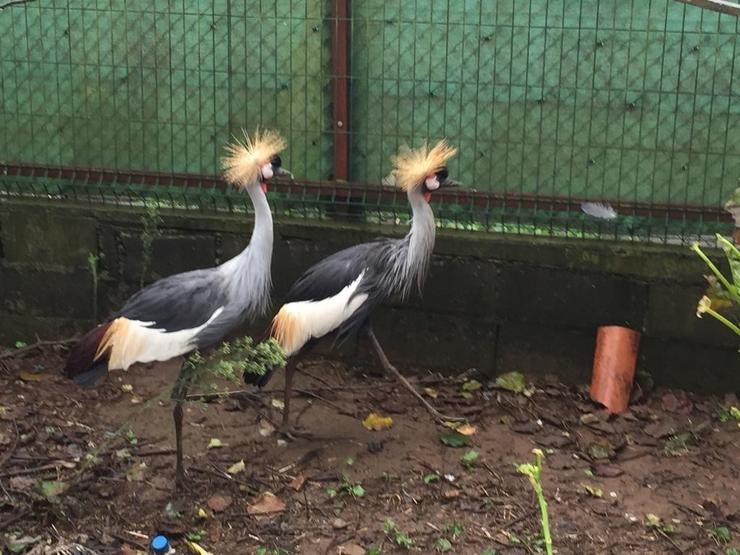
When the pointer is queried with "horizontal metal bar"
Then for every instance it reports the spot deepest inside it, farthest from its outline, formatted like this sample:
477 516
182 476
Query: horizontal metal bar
723 6
363 193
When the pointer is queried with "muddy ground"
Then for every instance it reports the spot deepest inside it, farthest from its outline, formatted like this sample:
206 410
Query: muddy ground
95 468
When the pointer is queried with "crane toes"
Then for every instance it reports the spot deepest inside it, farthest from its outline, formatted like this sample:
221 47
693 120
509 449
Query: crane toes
291 433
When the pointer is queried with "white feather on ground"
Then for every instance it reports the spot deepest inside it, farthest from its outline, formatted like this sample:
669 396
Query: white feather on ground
298 322
599 210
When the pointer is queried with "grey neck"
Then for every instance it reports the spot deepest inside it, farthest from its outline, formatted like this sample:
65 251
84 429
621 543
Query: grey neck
248 274
420 239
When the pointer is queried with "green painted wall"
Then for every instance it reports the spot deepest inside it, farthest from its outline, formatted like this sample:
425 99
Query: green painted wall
162 85
631 99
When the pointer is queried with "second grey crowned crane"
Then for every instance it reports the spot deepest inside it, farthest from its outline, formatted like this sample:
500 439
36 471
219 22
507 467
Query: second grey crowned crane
339 293
193 310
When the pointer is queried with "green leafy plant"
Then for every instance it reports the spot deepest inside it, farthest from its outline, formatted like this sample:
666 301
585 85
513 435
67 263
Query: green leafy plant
468 459
534 473
721 535
723 293
230 361
354 490
455 529
262 550
399 538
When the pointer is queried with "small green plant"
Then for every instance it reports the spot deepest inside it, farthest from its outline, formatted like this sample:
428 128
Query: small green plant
455 529
354 490
725 414
399 538
443 545
468 459
723 293
230 361
721 535
92 262
430 478
262 550
150 230
534 473
20 344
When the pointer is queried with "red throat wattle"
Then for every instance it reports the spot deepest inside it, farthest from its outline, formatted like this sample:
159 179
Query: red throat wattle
428 196
263 186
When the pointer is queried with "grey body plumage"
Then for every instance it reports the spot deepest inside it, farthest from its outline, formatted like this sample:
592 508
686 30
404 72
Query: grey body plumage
241 286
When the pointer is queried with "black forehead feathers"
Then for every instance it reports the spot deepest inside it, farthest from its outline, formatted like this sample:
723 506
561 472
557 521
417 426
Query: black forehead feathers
442 174
276 161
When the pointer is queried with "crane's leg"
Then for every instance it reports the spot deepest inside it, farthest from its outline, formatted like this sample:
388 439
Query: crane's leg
390 369
289 371
179 471
285 428
179 393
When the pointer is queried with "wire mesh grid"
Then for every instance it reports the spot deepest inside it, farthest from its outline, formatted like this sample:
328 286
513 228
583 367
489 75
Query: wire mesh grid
550 103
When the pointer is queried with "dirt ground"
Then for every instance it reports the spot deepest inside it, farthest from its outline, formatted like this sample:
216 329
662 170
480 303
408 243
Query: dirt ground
95 468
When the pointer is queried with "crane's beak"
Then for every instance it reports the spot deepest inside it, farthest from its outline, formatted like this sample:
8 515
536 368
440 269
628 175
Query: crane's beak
449 183
282 172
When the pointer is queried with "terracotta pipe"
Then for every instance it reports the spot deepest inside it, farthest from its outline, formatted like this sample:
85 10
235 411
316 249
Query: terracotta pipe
615 361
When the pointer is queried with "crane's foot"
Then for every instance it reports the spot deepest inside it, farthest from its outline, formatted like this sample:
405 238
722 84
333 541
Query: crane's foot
181 482
438 416
292 433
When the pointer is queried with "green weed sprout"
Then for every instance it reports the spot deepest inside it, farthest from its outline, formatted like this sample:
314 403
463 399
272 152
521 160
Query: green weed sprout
723 293
534 473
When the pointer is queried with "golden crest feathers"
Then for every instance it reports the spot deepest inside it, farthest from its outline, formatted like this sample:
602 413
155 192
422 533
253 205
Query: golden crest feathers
412 166
245 158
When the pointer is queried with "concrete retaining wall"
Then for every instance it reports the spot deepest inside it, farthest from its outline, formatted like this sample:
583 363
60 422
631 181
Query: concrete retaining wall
492 302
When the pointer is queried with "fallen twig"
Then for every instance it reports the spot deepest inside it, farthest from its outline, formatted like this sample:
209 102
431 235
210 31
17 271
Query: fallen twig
129 541
13 353
33 470
13 519
670 540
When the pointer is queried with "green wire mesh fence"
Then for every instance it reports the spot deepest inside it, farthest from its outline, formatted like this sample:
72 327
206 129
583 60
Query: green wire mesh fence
551 103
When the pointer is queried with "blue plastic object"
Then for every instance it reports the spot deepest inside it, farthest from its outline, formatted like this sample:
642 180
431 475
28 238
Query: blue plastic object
160 545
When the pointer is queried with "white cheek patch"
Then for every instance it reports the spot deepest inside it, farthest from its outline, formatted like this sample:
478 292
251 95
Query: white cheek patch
432 183
267 171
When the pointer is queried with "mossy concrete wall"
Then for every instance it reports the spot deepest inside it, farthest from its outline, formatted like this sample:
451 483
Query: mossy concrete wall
492 302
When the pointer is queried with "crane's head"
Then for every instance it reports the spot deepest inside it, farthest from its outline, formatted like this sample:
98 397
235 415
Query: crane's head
251 163
423 170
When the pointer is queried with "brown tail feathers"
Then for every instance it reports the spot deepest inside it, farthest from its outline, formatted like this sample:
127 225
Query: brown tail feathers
81 358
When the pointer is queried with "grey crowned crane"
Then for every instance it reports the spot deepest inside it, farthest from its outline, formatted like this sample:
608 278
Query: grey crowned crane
193 310
338 294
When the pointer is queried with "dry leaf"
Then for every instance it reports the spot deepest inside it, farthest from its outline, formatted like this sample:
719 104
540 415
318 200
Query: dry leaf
377 422
278 404
236 468
215 443
218 503
467 429
297 482
265 428
197 549
431 392
127 387
21 482
450 493
266 504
